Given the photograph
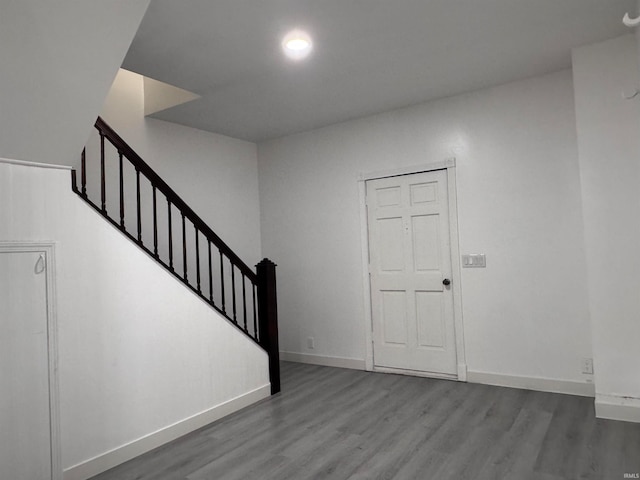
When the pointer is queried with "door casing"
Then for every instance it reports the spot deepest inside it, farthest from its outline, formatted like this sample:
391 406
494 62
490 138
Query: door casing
450 166
48 248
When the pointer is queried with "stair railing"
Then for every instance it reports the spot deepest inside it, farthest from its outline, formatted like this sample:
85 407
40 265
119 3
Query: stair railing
221 278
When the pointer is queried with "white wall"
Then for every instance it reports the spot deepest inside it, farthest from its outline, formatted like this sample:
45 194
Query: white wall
609 144
138 352
58 60
526 314
216 175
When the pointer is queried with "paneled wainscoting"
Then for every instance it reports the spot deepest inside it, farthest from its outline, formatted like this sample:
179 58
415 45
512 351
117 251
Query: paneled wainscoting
333 423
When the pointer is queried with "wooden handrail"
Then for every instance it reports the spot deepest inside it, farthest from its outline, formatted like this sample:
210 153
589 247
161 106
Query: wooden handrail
259 298
135 159
268 312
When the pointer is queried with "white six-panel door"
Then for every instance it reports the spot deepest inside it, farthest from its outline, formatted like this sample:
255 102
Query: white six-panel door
410 263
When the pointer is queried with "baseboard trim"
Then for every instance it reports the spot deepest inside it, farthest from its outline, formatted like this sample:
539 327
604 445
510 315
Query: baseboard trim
540 384
415 373
340 362
462 372
122 454
24 163
613 407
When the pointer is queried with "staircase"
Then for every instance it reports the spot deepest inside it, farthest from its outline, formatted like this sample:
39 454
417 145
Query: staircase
129 194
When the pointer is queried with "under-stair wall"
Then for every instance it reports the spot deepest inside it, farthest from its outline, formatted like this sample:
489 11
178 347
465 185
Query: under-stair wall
134 373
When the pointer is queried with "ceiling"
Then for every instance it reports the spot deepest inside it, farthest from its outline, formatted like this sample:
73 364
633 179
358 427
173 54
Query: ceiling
369 55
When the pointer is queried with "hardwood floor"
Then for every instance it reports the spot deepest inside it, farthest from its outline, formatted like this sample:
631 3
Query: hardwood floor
331 423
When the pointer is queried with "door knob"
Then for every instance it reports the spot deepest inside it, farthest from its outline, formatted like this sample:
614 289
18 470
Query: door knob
446 282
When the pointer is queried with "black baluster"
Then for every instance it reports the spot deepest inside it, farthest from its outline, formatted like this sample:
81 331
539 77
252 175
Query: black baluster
197 259
233 293
83 173
244 303
210 274
155 223
138 207
121 190
170 235
74 181
224 310
255 313
103 192
184 249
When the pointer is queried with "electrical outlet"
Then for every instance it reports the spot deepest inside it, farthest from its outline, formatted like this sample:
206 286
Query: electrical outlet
311 344
587 366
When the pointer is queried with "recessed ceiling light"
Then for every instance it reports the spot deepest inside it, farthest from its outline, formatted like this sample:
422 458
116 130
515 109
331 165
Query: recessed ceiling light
297 45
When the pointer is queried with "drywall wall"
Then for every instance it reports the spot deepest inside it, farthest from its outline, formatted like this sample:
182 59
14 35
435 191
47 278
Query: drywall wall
609 147
526 314
216 175
58 60
139 354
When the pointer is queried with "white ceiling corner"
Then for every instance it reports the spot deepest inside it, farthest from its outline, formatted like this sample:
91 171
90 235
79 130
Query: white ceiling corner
159 96
369 55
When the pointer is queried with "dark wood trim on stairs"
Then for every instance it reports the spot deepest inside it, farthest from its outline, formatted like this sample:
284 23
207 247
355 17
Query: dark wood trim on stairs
171 195
265 328
268 318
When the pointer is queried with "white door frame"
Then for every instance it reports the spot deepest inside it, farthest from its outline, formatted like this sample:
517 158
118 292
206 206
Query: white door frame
48 248
450 166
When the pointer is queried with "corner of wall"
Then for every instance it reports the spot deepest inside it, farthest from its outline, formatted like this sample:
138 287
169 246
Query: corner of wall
612 407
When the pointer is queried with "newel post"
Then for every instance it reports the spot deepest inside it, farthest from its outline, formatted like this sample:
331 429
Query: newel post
268 319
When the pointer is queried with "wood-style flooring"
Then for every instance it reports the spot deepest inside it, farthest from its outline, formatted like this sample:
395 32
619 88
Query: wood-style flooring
331 423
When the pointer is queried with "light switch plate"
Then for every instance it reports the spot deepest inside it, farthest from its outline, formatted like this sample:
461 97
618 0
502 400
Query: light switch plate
474 260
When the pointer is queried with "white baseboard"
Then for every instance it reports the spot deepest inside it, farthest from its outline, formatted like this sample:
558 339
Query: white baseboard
414 373
613 407
122 454
462 372
340 362
533 383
